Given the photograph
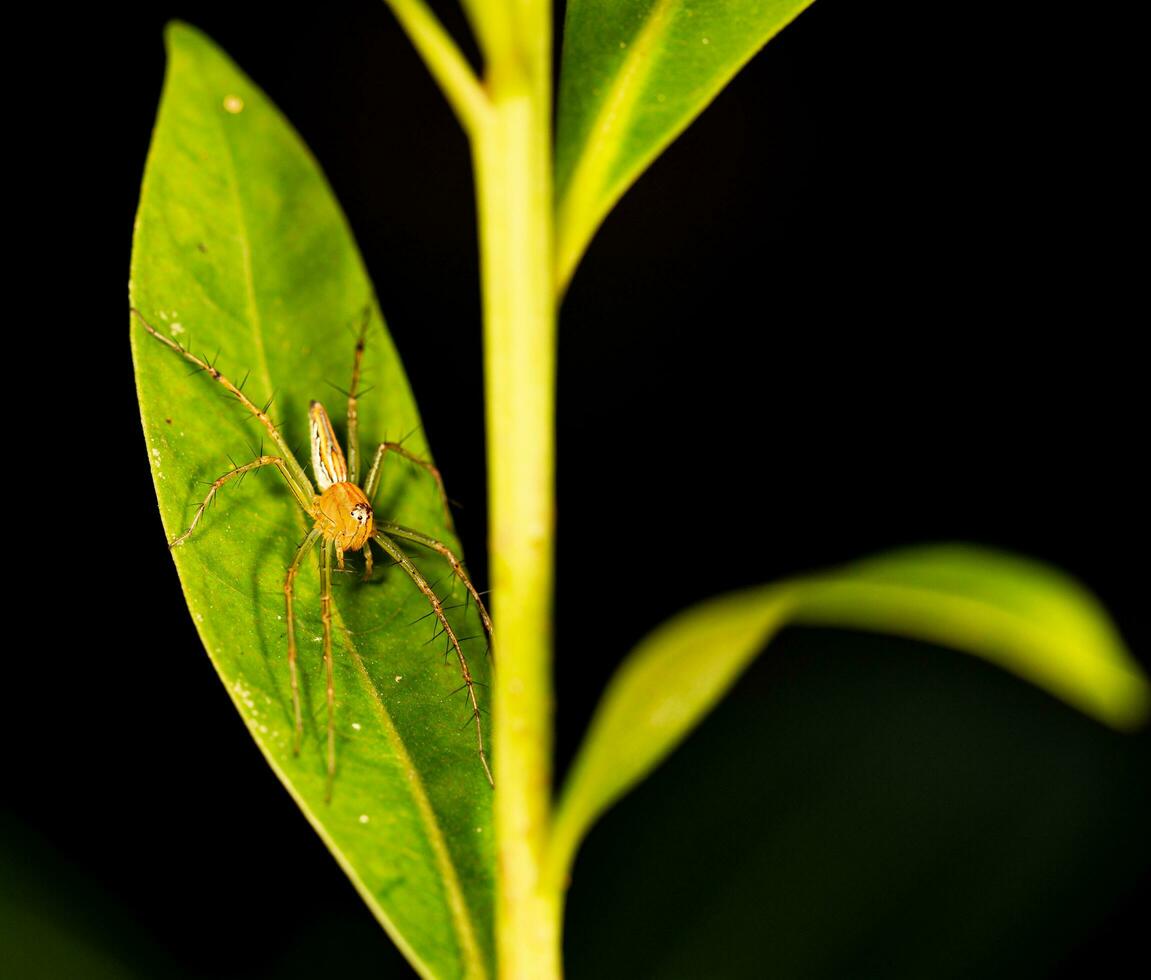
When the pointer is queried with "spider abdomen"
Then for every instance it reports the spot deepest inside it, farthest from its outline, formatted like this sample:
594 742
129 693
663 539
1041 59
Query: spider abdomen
344 516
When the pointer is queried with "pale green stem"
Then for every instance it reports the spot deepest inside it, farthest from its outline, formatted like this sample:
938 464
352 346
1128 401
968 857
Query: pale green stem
494 25
513 171
448 66
509 123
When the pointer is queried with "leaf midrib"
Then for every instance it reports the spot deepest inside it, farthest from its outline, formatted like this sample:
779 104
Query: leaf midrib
255 321
450 879
590 170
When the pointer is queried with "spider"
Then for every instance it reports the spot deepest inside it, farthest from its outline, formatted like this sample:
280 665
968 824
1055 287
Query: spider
343 521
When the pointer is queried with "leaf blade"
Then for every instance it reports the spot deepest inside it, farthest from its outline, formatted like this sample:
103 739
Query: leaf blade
1026 617
240 245
634 75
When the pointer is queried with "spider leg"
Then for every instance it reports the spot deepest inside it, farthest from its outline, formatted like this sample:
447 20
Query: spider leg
301 553
353 415
367 562
301 499
405 562
326 616
457 566
299 480
372 483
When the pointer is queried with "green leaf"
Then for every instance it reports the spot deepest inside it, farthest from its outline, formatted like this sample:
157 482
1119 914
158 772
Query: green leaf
241 248
1024 616
634 74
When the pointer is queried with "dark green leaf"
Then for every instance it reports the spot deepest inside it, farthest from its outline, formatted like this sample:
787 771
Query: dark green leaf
241 249
1026 617
634 74
870 807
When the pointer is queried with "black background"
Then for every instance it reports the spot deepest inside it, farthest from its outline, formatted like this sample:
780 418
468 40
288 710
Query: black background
882 292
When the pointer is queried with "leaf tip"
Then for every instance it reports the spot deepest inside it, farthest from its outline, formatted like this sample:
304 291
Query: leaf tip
178 32
1128 709
182 38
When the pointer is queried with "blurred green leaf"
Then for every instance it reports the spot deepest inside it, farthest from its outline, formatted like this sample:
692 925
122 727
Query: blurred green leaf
634 74
1024 616
241 249
862 805
1028 618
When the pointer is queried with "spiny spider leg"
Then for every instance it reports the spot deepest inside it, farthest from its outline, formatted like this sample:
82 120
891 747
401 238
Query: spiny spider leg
234 472
367 563
326 616
372 484
289 597
399 531
401 559
299 482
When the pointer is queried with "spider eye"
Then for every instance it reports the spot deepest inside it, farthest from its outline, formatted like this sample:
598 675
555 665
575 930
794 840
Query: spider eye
360 513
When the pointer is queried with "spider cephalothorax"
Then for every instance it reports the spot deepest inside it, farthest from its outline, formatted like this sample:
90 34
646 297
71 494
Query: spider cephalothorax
344 515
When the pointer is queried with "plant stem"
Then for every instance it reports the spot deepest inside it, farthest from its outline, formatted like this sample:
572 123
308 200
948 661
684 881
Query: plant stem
448 66
509 122
513 171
